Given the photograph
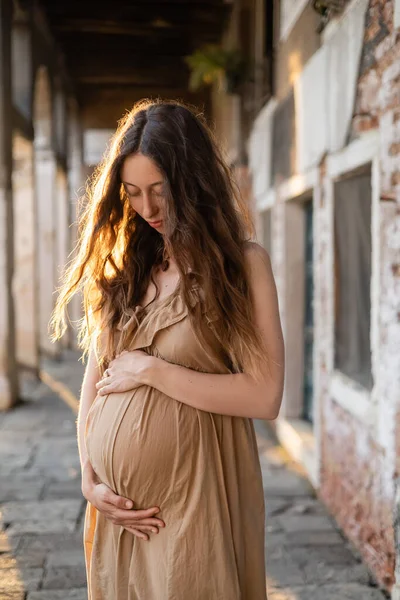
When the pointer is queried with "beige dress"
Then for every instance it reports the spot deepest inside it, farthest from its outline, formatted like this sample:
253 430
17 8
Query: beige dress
202 469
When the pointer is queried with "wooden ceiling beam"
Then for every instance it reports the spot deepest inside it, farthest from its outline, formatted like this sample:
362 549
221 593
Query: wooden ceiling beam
173 74
139 14
132 28
93 6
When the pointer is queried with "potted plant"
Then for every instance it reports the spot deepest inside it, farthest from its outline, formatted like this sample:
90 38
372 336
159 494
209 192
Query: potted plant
327 8
213 63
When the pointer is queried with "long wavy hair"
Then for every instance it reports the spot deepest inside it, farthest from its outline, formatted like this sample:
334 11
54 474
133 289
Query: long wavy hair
207 225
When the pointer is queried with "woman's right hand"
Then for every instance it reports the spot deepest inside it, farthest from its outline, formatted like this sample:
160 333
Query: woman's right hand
119 510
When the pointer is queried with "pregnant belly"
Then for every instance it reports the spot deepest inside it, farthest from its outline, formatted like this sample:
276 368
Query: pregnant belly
138 441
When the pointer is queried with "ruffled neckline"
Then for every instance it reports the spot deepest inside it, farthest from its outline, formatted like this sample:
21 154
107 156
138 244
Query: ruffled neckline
133 313
157 301
157 315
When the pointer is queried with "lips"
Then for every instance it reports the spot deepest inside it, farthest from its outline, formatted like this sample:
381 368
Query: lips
155 223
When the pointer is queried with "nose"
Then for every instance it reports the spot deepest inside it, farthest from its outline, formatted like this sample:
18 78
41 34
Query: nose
150 208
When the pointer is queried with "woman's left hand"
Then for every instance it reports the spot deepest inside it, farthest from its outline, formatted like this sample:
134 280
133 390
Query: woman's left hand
125 372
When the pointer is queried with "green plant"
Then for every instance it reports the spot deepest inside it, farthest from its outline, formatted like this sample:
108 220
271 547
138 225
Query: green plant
213 63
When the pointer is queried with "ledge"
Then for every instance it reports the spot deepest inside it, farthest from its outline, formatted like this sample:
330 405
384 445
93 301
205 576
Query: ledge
355 399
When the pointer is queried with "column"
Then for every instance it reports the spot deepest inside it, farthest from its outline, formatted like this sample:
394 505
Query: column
8 364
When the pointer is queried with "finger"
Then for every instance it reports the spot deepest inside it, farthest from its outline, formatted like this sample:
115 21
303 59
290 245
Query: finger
138 533
145 514
143 528
118 501
106 389
133 516
129 522
101 383
152 522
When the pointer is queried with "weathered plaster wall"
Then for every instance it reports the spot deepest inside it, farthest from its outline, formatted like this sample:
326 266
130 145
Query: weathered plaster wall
359 457
360 464
294 52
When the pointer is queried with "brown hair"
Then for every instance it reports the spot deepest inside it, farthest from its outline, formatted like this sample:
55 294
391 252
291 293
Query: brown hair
206 228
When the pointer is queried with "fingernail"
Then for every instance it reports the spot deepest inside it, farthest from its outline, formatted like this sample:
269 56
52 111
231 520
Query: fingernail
154 530
128 504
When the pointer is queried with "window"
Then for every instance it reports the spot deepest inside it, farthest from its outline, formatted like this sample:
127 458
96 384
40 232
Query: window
397 13
353 277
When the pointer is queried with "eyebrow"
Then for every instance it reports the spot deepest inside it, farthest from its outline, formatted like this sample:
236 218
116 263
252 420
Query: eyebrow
136 186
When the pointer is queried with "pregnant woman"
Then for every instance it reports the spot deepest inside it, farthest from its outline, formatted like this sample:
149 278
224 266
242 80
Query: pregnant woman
185 347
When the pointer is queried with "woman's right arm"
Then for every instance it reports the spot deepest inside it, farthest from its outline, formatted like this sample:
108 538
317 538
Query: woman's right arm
117 509
87 397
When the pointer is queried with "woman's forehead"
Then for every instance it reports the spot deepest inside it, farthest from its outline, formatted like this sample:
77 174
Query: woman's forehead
138 170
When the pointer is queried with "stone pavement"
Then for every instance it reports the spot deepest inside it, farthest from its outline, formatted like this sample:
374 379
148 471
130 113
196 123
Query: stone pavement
42 509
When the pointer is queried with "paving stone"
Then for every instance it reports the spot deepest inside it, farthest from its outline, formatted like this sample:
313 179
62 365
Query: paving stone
326 592
61 577
30 559
18 445
28 489
307 506
314 538
324 574
11 462
309 523
77 594
42 526
24 418
51 542
5 543
273 525
16 580
329 564
329 555
286 483
63 490
8 561
66 558
46 510
57 452
51 472
10 438
275 506
284 571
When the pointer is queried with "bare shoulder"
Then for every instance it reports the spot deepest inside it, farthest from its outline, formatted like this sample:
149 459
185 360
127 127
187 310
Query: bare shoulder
260 275
257 259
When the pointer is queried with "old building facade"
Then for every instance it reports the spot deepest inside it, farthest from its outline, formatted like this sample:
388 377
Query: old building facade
323 150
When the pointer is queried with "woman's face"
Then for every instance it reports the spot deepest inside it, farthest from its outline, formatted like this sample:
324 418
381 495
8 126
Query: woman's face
145 188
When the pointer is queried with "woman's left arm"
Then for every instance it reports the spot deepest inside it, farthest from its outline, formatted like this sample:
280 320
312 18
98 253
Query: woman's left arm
238 394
